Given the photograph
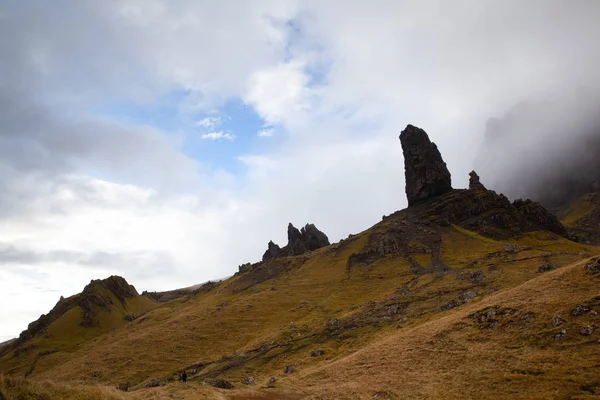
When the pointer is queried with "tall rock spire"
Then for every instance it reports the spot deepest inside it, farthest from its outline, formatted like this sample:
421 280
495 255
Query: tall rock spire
425 171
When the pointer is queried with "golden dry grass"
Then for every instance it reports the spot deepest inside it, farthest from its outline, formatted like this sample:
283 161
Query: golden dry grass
450 357
25 389
243 330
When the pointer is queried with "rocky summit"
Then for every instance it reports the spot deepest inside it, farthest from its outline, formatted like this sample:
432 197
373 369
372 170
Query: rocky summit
426 173
307 239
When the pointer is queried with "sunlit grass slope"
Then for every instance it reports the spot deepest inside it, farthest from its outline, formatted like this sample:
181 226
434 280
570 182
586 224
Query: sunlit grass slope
256 323
25 389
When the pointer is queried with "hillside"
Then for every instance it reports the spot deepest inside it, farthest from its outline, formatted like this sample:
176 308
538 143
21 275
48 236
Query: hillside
103 306
582 218
461 295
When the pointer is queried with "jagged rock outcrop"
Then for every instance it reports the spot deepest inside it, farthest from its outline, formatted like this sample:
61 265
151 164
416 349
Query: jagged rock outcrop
490 214
538 218
98 294
478 209
426 173
273 251
300 241
474 183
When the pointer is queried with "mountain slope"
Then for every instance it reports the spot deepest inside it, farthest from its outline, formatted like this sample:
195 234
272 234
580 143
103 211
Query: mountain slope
462 280
333 299
103 306
582 218
536 340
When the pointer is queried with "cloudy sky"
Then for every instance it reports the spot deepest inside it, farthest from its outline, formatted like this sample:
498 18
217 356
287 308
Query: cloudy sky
169 141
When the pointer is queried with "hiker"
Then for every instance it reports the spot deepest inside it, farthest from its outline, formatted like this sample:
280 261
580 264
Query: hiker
184 376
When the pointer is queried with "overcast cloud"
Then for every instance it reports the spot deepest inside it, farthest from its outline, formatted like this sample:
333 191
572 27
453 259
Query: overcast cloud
85 193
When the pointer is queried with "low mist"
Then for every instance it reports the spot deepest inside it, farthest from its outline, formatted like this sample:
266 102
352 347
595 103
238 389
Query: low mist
546 150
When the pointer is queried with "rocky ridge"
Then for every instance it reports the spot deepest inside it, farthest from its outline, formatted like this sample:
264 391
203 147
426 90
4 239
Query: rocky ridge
302 241
431 196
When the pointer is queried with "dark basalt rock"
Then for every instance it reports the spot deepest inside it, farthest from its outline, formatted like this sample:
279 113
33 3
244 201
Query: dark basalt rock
538 218
301 241
491 214
273 251
474 183
426 173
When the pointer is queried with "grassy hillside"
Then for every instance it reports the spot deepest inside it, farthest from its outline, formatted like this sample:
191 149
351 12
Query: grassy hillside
73 322
21 389
422 305
582 218
525 342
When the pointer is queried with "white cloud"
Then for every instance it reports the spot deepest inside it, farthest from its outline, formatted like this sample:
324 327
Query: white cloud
267 132
218 136
106 229
209 122
278 92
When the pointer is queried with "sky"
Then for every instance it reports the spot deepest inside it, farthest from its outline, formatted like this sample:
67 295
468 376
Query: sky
167 141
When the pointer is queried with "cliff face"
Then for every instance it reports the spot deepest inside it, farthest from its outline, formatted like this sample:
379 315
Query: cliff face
425 171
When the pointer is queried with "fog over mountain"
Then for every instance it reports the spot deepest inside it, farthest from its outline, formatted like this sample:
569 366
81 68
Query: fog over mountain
546 150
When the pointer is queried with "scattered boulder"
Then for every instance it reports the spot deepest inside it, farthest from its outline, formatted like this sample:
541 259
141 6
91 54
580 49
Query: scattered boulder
546 267
580 310
491 317
475 277
426 172
271 381
288 369
249 381
592 267
512 248
557 321
333 322
221 383
467 296
560 335
474 183
450 305
154 383
124 387
317 353
588 330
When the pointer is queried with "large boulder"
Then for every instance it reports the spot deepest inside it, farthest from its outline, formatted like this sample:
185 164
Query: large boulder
426 172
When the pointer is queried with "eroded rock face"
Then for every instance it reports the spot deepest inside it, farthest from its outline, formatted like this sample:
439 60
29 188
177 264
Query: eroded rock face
426 172
474 183
273 251
300 241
